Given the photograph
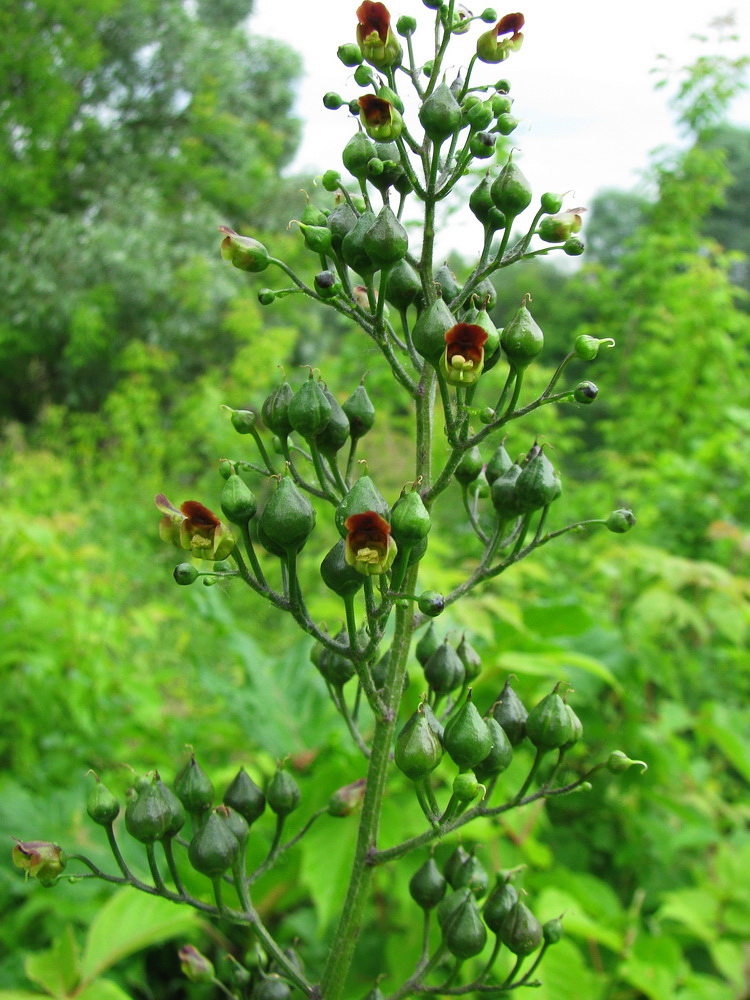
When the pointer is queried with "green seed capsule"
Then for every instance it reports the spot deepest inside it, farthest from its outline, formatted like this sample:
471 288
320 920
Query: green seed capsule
244 796
214 847
503 494
338 575
538 484
341 221
500 756
522 339
498 464
148 816
353 248
237 501
102 806
444 671
283 793
271 988
288 518
431 603
472 874
551 202
470 466
520 931
336 668
418 750
454 862
357 153
511 192
464 934
440 114
410 519
509 711
176 812
359 412
499 903
403 286
552 931
318 239
194 788
480 201
548 725
427 886
470 659
335 434
428 643
275 410
467 739
386 241
309 410
185 574
430 329
448 283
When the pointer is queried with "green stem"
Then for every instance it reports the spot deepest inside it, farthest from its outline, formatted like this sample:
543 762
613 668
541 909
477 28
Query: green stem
169 854
335 973
540 752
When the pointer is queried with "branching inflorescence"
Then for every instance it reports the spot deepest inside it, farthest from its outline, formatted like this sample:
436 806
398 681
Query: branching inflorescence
459 371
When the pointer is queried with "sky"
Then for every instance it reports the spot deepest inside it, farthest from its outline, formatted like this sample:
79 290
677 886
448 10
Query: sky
583 83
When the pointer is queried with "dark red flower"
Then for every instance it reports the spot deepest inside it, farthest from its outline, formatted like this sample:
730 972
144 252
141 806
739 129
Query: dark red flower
463 359
378 44
493 49
369 547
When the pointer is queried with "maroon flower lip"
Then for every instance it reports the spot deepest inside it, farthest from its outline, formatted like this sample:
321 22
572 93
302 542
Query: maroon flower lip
199 518
370 549
373 17
466 340
510 23
375 109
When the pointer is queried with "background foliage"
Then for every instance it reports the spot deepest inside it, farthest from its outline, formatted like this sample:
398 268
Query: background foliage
127 137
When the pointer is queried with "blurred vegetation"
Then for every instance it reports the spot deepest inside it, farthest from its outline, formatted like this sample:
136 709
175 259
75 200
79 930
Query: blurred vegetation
127 138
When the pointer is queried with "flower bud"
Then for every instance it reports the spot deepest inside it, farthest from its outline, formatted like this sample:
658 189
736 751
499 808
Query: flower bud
327 284
620 521
332 101
573 247
185 574
39 858
243 252
482 146
363 76
506 124
501 104
551 202
431 603
349 54
381 120
345 800
406 25
440 114
331 180
558 228
245 798
283 793
195 966
585 392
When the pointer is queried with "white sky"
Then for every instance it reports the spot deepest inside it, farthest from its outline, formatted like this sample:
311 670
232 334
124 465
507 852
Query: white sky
582 83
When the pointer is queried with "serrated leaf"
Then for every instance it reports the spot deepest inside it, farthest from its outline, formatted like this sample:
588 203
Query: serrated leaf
128 922
58 969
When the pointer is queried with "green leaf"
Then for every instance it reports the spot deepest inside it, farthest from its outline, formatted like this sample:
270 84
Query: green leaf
558 665
725 728
58 969
566 976
653 967
21 995
577 922
103 989
128 922
695 909
705 988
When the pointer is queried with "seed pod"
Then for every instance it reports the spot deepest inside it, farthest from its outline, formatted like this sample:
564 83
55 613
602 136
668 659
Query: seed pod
244 796
511 192
312 215
359 412
235 822
444 671
472 875
480 201
194 788
464 934
503 494
418 750
552 931
484 296
275 410
499 757
509 711
337 574
467 739
318 239
499 462
548 725
538 484
480 317
428 335
357 153
386 241
410 519
174 807
470 659
362 497
551 202
334 435
309 410
237 500
522 339
336 668
479 116
454 862
271 987
148 816
427 886
283 793
102 806
288 518
433 722
450 903
499 903
341 221
446 279
520 931
353 248
428 643
440 114
577 726
403 286
470 466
